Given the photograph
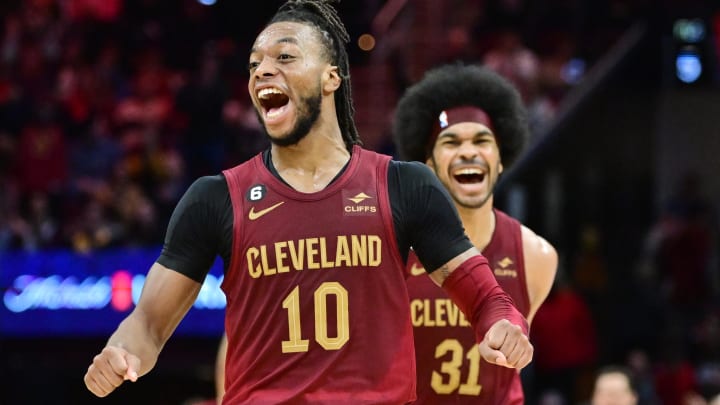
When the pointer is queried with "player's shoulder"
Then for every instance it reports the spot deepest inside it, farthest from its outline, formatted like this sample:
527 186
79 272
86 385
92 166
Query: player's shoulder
532 242
411 170
541 252
207 188
504 218
210 183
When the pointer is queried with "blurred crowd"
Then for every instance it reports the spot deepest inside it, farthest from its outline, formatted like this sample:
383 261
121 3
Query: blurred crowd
659 317
106 113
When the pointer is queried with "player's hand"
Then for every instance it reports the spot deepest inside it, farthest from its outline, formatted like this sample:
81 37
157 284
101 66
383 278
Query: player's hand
506 345
111 368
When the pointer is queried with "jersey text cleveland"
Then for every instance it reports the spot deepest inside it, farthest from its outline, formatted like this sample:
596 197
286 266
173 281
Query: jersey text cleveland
314 253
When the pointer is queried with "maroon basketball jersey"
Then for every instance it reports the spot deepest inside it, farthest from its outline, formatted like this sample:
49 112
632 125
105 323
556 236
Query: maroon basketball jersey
449 367
316 299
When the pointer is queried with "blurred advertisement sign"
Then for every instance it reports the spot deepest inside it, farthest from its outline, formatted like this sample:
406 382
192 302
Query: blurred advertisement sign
64 293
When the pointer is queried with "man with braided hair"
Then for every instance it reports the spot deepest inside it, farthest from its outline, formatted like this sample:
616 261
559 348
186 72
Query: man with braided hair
314 233
467 123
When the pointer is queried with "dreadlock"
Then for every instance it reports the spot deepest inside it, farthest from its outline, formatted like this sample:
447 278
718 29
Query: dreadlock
323 16
455 85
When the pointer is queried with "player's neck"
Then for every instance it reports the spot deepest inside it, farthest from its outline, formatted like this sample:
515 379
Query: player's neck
479 223
311 164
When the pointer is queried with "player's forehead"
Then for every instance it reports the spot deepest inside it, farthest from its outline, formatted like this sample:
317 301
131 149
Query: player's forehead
286 32
466 129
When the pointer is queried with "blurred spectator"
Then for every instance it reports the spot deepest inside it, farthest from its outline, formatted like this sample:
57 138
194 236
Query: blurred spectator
510 57
590 272
92 228
641 366
93 158
37 228
684 243
563 362
201 102
614 385
559 69
171 176
242 133
11 223
675 377
94 10
136 214
42 154
707 344
149 103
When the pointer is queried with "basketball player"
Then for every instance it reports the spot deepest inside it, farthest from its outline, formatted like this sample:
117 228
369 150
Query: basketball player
467 123
314 233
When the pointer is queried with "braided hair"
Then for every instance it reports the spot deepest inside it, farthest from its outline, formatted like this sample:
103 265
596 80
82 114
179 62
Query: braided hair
456 85
323 16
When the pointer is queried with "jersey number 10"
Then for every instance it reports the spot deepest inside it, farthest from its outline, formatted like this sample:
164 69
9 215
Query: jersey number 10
292 303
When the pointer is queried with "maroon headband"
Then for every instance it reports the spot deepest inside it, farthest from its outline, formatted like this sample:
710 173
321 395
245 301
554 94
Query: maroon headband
455 115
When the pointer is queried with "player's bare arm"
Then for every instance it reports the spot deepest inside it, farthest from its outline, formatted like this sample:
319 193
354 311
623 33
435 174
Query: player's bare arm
134 347
541 261
505 343
220 368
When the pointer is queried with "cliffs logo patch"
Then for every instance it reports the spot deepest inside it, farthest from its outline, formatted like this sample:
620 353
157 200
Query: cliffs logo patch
356 203
504 269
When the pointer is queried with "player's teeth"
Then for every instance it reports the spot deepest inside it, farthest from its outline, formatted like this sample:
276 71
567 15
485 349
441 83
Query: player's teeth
468 171
265 92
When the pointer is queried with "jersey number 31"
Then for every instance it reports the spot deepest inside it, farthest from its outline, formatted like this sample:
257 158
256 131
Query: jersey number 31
451 369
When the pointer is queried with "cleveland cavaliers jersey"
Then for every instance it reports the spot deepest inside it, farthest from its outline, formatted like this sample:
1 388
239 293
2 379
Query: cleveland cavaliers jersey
450 369
317 306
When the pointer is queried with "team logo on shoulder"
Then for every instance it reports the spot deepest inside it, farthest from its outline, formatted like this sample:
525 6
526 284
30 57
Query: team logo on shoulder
504 269
358 203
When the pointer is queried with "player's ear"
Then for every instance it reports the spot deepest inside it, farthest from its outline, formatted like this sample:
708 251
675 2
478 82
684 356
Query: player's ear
331 79
500 168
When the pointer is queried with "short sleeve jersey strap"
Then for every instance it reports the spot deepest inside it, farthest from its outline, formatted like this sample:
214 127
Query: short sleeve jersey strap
315 283
507 261
442 333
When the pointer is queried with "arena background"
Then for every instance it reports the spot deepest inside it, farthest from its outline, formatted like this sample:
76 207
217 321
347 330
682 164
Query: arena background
109 109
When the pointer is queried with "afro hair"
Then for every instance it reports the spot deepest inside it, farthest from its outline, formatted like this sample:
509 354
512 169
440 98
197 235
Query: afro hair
453 86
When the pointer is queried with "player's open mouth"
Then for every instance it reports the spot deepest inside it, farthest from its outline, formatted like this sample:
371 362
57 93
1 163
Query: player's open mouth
469 175
273 102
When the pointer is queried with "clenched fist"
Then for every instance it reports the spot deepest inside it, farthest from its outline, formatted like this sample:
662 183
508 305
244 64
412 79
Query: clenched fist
111 368
506 345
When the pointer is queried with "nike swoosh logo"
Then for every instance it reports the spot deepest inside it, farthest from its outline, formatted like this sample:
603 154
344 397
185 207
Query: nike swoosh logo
416 270
255 215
